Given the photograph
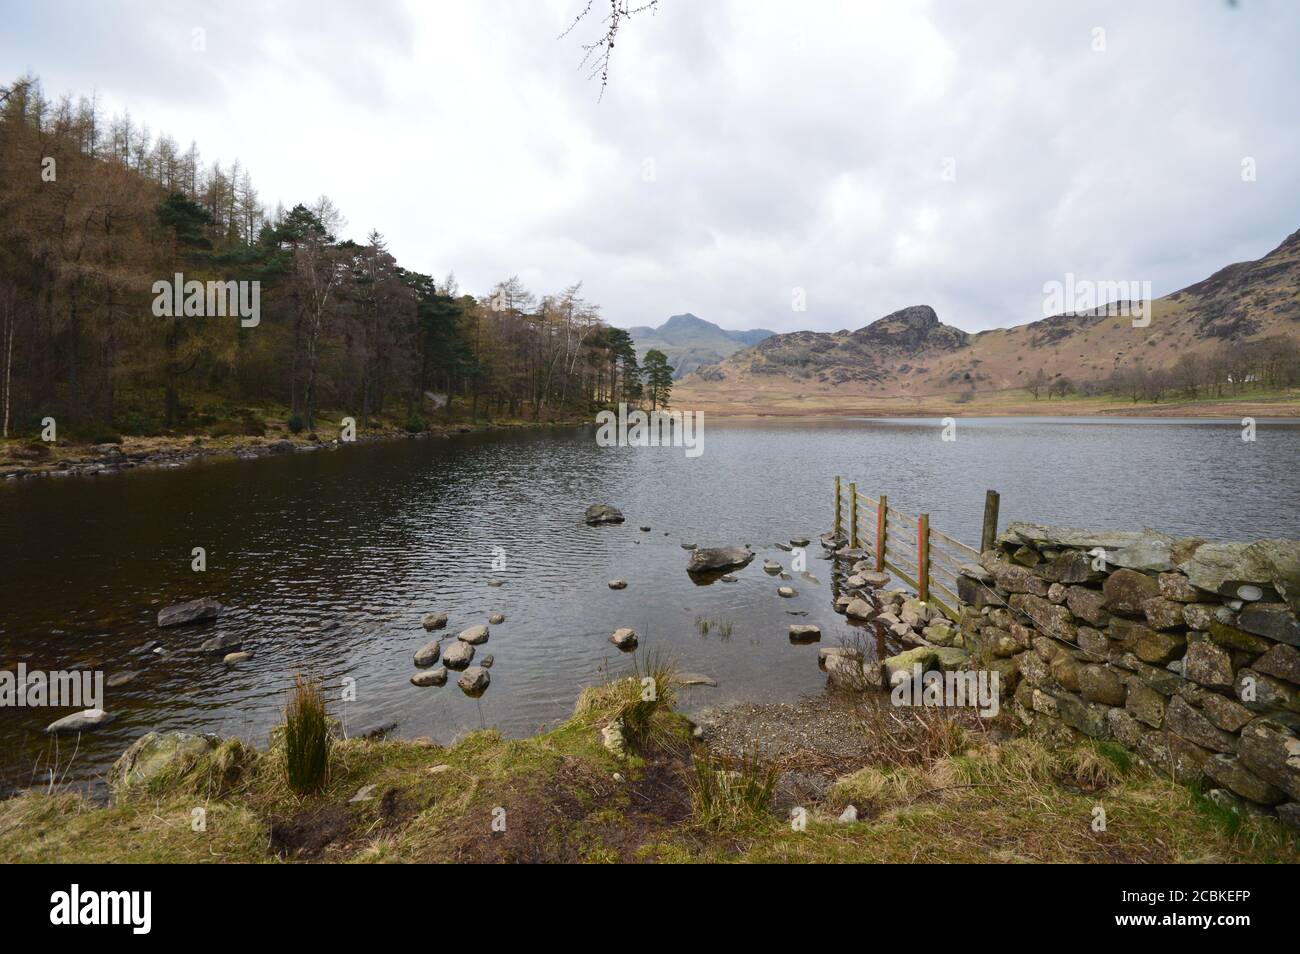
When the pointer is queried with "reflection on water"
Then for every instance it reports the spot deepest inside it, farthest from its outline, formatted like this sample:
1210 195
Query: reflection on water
326 562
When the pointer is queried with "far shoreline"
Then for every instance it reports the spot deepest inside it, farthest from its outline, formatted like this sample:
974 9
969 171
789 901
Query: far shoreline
1223 409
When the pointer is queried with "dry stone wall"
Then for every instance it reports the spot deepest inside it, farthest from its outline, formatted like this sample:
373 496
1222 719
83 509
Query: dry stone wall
1183 651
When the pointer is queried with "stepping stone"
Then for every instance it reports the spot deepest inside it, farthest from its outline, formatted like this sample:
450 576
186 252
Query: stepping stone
624 639
475 635
434 677
427 654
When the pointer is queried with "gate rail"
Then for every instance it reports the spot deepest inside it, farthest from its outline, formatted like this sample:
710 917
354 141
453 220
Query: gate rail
934 557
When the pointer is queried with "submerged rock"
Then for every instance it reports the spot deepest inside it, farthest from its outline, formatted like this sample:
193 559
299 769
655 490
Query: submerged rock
694 679
432 621
716 559
496 619
195 611
786 591
598 514
80 721
234 659
221 644
618 584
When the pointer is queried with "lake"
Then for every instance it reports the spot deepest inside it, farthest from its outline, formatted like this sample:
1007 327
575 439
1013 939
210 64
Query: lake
326 562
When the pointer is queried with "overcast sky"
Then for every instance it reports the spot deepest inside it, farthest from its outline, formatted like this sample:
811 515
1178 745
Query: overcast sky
742 150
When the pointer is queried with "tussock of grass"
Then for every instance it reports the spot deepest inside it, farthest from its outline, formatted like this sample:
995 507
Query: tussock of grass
729 793
306 737
639 702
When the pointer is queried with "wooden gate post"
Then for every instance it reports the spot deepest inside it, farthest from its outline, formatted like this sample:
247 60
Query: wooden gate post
836 530
923 557
989 535
853 515
882 512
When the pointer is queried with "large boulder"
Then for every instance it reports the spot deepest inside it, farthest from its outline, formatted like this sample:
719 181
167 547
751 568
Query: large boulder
602 513
156 756
718 559
195 611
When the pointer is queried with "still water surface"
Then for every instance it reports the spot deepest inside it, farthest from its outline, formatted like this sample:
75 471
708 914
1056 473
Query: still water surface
326 562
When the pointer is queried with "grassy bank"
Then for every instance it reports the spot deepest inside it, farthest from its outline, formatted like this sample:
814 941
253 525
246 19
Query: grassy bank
927 789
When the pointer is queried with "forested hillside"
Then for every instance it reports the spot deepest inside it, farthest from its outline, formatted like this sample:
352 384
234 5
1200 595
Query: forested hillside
95 209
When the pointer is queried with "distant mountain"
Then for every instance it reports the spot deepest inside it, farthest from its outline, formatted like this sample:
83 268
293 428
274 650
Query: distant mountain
910 353
691 343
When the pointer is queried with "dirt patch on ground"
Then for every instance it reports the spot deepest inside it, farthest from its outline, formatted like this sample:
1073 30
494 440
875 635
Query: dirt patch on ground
527 823
575 813
309 832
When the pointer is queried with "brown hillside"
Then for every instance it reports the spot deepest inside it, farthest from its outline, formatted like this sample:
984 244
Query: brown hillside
911 354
